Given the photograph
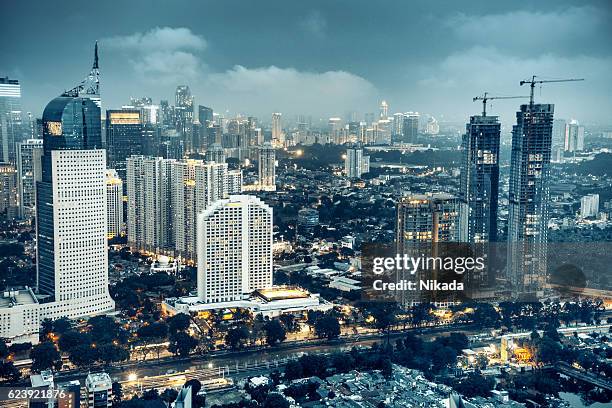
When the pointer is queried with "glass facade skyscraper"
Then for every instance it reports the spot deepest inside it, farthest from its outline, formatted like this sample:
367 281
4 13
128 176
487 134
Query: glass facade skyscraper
480 178
124 138
11 121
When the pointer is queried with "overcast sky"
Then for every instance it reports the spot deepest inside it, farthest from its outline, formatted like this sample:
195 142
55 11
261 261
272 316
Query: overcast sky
322 58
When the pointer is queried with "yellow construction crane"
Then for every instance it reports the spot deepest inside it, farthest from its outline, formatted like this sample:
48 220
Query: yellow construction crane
485 97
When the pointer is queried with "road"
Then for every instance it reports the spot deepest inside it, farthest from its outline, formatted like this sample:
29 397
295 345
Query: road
214 368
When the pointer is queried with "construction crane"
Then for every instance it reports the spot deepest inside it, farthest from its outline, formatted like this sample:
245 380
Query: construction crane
533 81
485 97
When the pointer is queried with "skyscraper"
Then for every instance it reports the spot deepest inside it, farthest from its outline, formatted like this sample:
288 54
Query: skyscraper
234 249
149 211
11 121
355 163
195 186
422 222
574 137
8 191
558 137
410 128
114 200
29 156
480 178
124 138
528 196
183 115
277 130
384 110
267 171
589 205
71 210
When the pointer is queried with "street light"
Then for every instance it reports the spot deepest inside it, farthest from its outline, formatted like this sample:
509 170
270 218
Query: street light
132 377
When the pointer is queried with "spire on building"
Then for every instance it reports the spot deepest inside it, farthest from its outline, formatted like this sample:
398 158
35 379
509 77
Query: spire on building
90 86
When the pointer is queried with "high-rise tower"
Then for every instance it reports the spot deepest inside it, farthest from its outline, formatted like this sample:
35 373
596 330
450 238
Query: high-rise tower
528 196
234 249
29 155
267 171
124 138
480 178
11 120
71 220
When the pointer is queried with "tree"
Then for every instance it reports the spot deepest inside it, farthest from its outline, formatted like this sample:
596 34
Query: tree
104 329
327 327
46 327
155 330
294 370
443 357
62 325
72 339
4 350
8 371
178 322
45 357
237 336
275 400
275 332
169 395
474 385
181 344
83 355
314 365
110 353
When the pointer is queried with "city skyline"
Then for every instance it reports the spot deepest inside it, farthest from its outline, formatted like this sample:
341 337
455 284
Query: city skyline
329 69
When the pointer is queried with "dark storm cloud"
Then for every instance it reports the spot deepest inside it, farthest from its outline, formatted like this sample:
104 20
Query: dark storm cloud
318 57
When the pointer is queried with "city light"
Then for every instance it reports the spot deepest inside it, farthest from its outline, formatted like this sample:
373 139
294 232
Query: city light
132 377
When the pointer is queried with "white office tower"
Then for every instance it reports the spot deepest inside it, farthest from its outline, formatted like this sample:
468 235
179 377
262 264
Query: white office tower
234 249
355 163
29 154
574 137
267 171
114 200
589 206
278 139
99 388
195 185
149 204
558 133
234 182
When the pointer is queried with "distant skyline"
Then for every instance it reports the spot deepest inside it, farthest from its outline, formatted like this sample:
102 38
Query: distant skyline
319 58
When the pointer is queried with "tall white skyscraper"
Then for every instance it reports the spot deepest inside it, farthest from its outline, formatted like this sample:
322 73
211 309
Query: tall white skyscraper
234 249
355 163
29 154
277 129
195 185
267 171
589 205
114 200
574 137
72 211
149 204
